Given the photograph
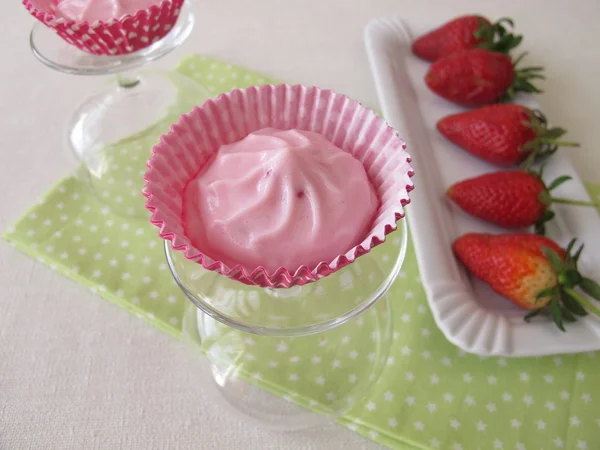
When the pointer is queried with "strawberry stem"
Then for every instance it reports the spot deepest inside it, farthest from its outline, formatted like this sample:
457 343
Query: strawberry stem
566 201
559 143
583 301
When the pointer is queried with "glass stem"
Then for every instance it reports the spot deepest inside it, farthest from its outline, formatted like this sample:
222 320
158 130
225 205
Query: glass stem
128 79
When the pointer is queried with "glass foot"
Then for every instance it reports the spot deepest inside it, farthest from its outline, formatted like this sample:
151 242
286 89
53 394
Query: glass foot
290 383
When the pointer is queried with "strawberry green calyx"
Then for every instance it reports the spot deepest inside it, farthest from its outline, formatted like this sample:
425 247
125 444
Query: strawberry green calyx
547 199
545 142
564 302
496 37
523 80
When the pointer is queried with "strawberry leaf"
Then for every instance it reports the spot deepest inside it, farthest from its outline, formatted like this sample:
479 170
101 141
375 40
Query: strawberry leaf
571 245
531 76
558 182
540 228
573 305
554 133
526 86
507 20
519 58
532 69
540 225
540 173
548 150
506 43
532 314
484 30
566 315
555 261
545 142
577 254
496 37
590 287
531 145
556 314
528 162
522 82
583 301
545 292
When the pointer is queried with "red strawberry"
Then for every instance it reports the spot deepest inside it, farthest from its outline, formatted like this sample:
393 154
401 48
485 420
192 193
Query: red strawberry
463 33
531 271
513 199
479 77
504 134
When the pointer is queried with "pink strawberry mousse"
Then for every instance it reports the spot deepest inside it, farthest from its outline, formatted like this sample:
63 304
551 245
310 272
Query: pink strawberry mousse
93 10
279 199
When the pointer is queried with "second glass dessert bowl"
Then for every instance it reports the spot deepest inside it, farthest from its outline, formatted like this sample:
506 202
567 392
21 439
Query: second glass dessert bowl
125 115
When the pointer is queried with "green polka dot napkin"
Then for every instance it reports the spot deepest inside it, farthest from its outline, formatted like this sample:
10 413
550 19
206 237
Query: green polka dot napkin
431 395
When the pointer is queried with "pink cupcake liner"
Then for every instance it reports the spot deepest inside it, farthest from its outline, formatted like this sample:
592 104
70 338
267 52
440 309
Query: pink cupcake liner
118 36
181 153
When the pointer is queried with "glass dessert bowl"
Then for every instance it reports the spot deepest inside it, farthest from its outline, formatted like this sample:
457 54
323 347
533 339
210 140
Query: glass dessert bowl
268 168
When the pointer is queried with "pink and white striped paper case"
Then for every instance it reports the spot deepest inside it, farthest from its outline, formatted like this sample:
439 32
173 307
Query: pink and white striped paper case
181 153
117 36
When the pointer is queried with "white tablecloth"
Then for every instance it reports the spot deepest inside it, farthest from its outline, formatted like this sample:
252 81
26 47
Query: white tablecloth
78 372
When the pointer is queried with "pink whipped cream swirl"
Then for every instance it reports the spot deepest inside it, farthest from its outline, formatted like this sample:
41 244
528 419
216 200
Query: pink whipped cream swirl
279 199
93 10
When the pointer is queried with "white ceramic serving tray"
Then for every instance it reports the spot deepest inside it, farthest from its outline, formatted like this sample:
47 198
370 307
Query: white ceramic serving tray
469 314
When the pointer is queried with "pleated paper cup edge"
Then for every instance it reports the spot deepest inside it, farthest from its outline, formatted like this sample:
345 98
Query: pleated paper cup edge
280 277
99 37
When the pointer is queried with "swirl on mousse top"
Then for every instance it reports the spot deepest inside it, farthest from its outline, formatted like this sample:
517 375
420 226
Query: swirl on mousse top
279 199
93 10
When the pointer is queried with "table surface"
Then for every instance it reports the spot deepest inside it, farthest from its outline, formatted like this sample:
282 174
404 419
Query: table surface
78 372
